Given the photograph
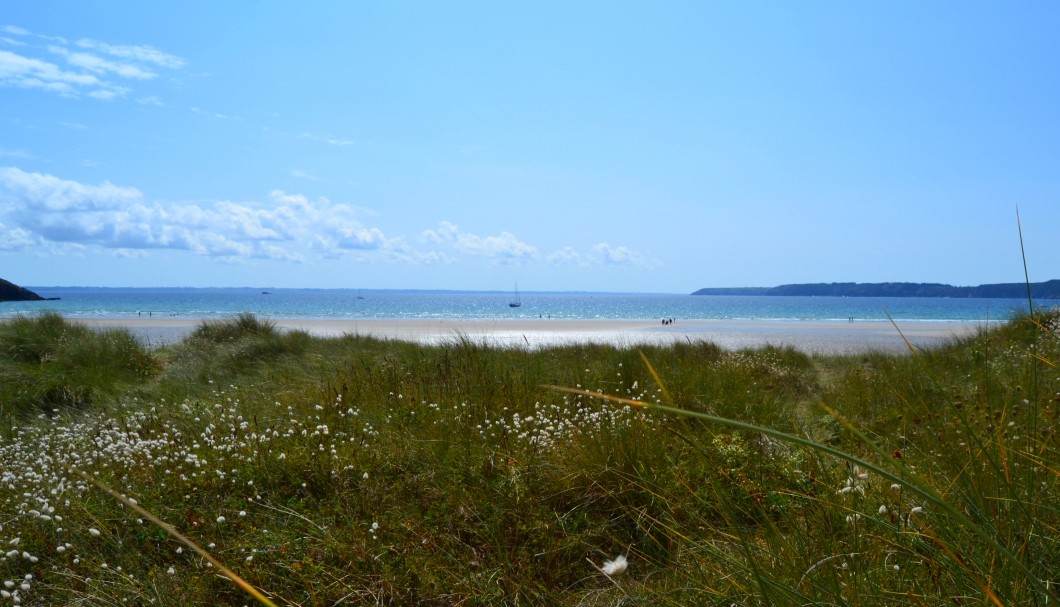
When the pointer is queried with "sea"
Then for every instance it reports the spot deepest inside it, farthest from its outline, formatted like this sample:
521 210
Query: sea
349 304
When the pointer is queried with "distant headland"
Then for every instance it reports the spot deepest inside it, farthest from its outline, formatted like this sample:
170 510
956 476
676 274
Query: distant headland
1016 290
9 291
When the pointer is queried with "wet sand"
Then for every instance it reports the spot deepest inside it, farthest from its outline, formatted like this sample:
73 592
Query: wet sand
824 337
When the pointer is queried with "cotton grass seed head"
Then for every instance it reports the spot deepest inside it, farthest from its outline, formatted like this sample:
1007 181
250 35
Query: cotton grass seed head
615 567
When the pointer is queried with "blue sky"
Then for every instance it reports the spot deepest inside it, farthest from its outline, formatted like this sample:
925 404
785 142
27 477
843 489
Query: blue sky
608 146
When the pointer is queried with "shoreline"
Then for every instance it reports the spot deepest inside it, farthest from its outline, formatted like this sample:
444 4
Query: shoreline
809 336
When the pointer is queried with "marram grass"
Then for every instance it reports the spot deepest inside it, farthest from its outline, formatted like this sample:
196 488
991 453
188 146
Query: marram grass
359 471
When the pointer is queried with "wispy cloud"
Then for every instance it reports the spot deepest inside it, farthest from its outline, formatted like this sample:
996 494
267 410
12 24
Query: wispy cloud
6 153
24 72
138 54
45 208
100 65
217 115
88 68
327 140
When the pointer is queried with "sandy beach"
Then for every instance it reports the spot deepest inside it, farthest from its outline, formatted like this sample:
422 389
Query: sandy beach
825 337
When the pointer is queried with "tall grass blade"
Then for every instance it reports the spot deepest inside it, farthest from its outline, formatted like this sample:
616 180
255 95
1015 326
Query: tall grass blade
1023 253
232 575
910 482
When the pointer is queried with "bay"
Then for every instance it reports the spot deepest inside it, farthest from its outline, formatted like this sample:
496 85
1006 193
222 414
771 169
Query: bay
339 304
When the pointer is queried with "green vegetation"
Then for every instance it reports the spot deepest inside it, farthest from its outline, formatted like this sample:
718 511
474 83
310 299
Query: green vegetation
1049 289
359 471
48 364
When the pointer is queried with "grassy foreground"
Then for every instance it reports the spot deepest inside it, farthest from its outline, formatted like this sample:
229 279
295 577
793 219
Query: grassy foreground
355 471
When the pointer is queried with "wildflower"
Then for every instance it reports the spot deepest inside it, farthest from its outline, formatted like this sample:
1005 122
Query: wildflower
896 487
365 477
171 571
220 519
615 567
883 510
93 532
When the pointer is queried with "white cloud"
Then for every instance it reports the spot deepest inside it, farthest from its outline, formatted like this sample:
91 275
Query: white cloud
503 248
39 210
565 256
107 94
606 254
357 237
284 227
216 115
99 65
328 140
15 239
506 248
138 53
445 233
14 29
29 73
46 193
86 73
6 153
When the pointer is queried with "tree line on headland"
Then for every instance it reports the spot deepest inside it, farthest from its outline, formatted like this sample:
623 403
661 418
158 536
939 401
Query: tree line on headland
1039 290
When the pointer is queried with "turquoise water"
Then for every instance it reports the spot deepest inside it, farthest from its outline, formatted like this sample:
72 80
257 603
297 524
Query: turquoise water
375 304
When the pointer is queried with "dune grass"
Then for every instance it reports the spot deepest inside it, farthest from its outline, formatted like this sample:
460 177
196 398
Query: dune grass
48 364
359 471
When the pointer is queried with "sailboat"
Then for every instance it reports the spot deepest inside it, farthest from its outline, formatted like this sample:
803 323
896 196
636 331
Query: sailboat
516 301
